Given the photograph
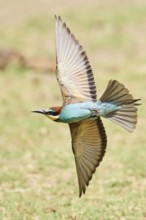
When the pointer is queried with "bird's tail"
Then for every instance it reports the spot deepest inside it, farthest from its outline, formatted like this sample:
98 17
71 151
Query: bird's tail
126 115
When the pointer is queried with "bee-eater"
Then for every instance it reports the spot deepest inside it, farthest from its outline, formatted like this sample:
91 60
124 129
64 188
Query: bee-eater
81 109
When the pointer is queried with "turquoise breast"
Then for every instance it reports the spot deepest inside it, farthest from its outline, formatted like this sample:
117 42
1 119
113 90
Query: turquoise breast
74 113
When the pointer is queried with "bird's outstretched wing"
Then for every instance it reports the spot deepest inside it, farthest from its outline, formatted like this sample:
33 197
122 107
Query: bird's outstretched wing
89 145
73 70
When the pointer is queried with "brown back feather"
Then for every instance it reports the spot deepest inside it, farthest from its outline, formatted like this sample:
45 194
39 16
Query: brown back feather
57 109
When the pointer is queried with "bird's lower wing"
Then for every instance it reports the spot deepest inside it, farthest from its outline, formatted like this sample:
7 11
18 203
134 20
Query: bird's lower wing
88 144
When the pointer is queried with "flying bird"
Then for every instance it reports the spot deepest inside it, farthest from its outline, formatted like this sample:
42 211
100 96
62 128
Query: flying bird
81 109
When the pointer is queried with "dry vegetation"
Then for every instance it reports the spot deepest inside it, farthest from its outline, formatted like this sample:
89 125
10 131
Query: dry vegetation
38 177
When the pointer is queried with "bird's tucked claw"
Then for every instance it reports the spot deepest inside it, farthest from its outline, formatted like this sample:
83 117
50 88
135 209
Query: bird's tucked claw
94 112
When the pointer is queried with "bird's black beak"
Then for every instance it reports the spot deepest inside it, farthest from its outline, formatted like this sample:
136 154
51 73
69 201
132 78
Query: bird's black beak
40 111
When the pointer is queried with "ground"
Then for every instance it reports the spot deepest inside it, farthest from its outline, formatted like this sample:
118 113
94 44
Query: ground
38 177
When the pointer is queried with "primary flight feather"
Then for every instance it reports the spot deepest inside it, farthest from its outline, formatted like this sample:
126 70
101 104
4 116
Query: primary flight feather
81 109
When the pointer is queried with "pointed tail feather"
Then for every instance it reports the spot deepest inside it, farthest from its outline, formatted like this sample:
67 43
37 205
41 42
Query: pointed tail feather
126 115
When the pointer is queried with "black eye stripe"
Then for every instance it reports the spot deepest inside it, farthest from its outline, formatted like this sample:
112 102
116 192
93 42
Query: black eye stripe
53 113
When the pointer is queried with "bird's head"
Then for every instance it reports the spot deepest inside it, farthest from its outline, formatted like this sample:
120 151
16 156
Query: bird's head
52 113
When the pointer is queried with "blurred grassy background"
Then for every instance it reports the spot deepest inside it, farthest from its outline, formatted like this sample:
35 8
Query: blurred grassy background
37 176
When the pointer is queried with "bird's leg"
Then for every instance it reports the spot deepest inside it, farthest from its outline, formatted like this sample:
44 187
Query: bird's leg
94 113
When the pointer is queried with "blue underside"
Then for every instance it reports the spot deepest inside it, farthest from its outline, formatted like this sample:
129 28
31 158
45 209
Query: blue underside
80 111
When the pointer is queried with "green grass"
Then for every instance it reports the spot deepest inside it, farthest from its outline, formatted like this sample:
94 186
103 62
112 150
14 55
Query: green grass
38 177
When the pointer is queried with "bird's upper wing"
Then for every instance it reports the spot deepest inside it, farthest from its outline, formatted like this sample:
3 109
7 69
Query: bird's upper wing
89 145
73 70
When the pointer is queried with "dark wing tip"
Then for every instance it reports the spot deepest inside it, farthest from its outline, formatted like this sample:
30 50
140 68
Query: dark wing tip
81 192
57 17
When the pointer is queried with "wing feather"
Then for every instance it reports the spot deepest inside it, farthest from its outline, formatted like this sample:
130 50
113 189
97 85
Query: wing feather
73 70
88 144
